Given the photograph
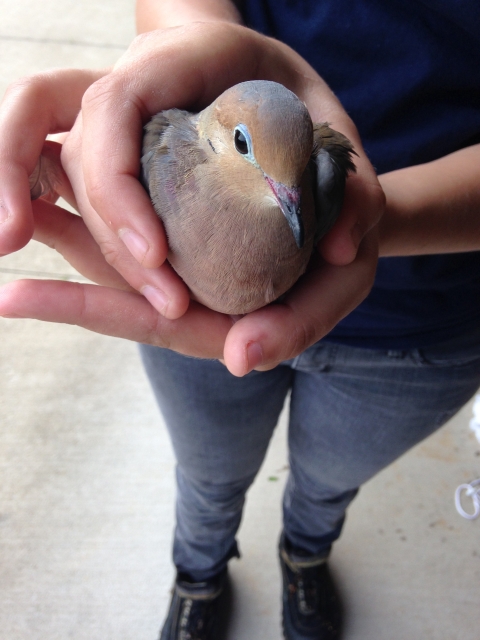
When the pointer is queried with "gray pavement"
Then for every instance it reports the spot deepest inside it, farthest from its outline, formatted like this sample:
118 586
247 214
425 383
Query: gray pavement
86 468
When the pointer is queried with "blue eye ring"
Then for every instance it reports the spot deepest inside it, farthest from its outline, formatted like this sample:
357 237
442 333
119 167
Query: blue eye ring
243 141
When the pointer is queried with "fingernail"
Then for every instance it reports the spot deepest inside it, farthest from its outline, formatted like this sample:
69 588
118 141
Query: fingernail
254 355
4 296
4 212
157 298
135 243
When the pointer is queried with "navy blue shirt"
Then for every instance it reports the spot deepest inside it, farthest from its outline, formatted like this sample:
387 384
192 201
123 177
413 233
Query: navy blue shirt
408 73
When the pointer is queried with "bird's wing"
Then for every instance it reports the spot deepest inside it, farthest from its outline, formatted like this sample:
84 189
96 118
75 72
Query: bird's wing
331 163
170 150
152 144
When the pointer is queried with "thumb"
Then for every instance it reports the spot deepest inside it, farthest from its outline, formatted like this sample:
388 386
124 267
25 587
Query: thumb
320 299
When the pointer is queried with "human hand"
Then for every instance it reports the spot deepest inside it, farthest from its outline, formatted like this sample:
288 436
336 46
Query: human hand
114 309
32 108
203 60
209 58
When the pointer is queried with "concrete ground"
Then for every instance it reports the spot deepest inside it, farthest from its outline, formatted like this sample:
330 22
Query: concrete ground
86 469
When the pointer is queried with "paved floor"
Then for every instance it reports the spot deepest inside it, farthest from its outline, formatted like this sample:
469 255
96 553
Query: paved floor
86 470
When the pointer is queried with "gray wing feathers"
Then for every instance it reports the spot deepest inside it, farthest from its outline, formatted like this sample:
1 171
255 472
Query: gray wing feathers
331 163
152 140
170 146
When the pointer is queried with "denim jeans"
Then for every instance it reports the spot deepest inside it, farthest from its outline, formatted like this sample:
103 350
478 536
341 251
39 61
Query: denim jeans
352 412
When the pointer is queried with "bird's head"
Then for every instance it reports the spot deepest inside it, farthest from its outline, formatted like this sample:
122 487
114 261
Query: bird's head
262 127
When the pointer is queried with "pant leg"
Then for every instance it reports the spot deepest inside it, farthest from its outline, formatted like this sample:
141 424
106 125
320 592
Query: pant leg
220 427
354 411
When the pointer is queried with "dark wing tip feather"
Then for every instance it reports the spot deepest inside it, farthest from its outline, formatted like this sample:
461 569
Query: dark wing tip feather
332 163
336 145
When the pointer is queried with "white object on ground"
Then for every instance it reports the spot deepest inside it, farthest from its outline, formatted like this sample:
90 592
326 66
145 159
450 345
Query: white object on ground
472 490
475 421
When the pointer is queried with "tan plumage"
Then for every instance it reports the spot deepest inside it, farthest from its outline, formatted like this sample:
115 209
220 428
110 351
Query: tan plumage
226 183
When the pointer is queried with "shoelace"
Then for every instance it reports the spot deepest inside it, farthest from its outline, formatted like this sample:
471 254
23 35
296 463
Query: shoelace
306 596
194 619
310 591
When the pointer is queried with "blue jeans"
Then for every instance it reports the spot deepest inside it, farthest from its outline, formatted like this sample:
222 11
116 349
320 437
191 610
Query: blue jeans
352 412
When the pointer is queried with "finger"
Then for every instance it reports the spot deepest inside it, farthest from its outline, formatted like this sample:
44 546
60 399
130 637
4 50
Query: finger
320 299
32 108
363 207
161 286
67 233
200 332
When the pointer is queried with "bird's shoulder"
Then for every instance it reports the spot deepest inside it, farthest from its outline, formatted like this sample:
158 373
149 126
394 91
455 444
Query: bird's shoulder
171 146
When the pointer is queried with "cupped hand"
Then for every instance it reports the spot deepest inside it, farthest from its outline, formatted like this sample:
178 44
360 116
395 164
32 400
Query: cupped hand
32 108
188 67
259 340
112 308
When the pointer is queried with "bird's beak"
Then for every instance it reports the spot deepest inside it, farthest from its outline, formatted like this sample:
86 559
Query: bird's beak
289 199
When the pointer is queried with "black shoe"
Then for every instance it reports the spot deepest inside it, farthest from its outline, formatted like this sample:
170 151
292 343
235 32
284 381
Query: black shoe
311 607
193 613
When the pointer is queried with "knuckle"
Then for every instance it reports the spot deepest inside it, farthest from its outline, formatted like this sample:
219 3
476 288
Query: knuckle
156 333
100 93
303 336
377 206
100 192
95 187
144 47
111 253
82 304
142 41
31 87
71 150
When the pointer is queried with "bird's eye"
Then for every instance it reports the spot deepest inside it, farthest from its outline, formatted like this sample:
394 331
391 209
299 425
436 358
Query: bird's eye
241 143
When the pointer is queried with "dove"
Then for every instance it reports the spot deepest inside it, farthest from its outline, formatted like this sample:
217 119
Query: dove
244 189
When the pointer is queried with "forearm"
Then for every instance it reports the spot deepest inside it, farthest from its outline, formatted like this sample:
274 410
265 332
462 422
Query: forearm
434 207
161 14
